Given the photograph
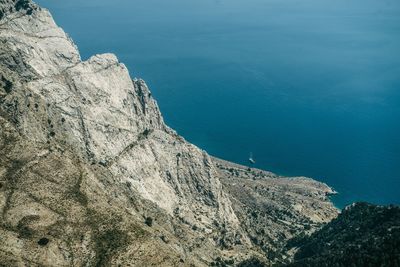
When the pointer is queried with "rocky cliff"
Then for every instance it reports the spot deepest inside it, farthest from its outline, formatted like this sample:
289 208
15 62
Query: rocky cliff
91 175
362 235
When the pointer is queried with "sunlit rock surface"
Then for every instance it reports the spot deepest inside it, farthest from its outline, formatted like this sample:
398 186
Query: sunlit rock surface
91 175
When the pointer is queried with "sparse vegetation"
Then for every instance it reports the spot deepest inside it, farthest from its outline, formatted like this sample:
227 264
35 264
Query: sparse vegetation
363 235
76 191
43 241
219 262
146 133
149 221
252 262
23 226
107 243
6 84
22 5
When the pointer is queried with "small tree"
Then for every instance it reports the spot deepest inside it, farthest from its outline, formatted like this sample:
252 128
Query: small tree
149 221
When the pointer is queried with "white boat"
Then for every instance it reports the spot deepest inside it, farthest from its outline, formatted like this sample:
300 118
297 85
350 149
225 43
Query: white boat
252 161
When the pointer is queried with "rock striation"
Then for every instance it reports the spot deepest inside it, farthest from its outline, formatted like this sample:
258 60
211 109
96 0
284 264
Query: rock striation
91 175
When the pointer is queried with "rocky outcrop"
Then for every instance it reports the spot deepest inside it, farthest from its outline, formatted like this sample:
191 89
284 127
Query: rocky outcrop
273 209
362 235
91 175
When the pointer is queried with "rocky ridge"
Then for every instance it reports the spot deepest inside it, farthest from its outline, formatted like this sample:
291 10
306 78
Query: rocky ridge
362 235
91 175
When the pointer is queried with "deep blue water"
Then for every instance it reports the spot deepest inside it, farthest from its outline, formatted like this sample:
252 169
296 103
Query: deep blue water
311 87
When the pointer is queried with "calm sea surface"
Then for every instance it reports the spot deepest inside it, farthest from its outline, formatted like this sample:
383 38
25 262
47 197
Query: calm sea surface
311 87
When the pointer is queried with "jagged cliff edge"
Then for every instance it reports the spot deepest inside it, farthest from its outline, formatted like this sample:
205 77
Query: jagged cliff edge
91 175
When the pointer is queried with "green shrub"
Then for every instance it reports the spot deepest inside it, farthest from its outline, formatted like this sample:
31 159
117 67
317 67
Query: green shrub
149 221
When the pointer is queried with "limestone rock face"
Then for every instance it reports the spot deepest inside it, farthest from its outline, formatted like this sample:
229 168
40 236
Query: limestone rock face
88 165
96 108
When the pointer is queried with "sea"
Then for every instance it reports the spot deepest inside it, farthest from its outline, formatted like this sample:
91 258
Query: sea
309 87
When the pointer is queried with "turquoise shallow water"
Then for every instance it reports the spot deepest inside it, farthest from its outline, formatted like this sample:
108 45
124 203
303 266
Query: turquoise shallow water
311 87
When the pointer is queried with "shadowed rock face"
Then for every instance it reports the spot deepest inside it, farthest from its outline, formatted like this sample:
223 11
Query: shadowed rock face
87 162
362 235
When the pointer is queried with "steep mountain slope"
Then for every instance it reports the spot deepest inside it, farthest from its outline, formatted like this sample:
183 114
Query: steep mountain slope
362 235
91 175
273 209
